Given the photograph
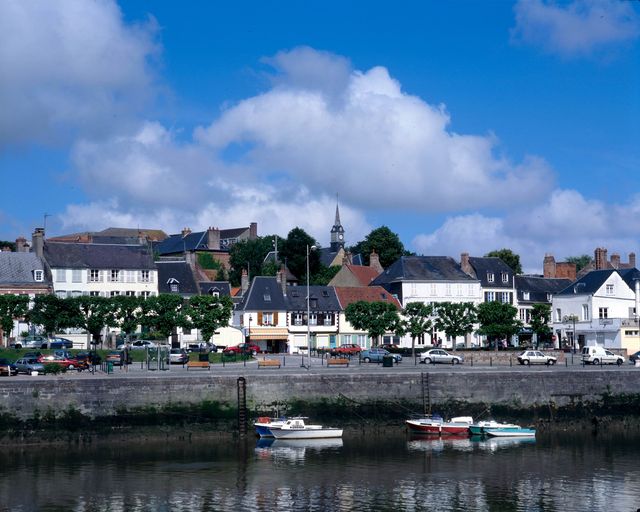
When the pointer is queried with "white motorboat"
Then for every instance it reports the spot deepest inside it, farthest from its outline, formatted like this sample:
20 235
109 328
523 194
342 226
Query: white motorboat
296 428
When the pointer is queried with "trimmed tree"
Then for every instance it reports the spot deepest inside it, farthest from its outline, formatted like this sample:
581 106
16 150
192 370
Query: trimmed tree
377 318
52 313
418 320
208 313
540 317
92 314
126 313
163 313
455 319
498 320
12 307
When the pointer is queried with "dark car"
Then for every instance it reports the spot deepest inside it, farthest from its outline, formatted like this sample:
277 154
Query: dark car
7 368
91 358
634 357
60 343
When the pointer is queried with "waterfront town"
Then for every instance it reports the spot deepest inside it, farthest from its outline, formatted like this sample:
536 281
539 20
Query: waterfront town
282 313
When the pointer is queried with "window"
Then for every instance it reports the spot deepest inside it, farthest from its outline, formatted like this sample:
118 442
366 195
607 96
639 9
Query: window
522 314
609 289
129 276
549 297
471 291
490 277
94 294
505 297
115 276
525 296
75 293
489 296
186 330
603 313
114 293
130 293
448 289
505 277
414 289
328 319
585 311
313 303
558 315
62 294
297 319
94 275
76 275
325 293
346 338
38 275
144 276
267 318
214 293
313 319
266 297
61 275
631 333
459 290
434 289
145 295
174 287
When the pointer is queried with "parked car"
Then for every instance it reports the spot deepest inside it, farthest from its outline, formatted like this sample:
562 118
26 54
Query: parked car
34 341
7 368
65 360
634 357
348 349
60 343
116 357
178 356
243 348
438 355
202 347
142 344
28 365
600 355
536 357
91 358
375 355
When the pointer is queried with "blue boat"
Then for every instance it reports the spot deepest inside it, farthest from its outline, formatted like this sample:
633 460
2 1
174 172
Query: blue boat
510 431
265 424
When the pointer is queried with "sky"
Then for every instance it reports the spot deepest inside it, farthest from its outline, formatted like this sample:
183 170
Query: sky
462 126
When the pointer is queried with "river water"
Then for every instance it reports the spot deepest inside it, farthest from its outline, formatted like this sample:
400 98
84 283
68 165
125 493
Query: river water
386 470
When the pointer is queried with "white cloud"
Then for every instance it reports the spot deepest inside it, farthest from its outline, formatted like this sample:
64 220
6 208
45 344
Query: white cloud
367 138
567 224
577 28
75 66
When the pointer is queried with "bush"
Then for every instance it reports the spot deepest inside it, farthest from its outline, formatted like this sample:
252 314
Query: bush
54 368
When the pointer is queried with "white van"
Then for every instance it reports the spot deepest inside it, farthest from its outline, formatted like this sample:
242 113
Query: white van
600 355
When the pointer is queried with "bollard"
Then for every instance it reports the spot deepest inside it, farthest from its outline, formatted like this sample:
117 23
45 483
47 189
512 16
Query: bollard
510 361
471 360
284 360
490 361
566 362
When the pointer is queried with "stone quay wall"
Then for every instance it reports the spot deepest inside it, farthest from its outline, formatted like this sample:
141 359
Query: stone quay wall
103 396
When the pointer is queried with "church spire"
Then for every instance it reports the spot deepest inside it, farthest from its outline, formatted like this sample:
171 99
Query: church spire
337 221
337 231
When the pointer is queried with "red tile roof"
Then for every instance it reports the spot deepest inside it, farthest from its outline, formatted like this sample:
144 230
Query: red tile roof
350 294
364 274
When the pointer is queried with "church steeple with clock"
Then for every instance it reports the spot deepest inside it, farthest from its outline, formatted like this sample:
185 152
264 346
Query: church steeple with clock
337 233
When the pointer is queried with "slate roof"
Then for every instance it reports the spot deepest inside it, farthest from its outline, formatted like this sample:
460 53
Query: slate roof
177 243
538 287
232 233
172 271
491 265
630 275
16 268
98 256
350 294
321 298
222 287
423 268
264 294
326 255
588 284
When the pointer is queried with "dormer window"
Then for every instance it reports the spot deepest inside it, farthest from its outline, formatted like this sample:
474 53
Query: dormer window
174 285
505 277
549 297
490 277
267 297
525 295
214 292
38 276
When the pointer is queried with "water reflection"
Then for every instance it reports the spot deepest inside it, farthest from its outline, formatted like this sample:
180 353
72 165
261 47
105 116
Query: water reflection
362 471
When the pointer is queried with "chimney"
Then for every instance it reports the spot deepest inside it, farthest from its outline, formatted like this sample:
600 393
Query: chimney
213 238
549 266
253 231
185 232
244 282
374 262
21 244
283 280
37 242
601 258
142 239
615 260
632 259
464 263
637 297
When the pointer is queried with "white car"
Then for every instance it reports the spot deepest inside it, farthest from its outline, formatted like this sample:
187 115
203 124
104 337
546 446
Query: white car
600 355
437 355
142 344
536 357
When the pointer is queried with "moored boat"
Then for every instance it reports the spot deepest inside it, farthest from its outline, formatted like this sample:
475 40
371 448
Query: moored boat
435 425
510 431
296 428
478 428
264 424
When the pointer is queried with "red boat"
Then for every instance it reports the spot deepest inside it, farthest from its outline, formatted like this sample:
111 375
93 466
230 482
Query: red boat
435 425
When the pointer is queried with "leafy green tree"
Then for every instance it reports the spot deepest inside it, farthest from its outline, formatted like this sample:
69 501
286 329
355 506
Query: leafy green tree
126 313
540 318
418 320
248 255
12 307
455 319
163 313
294 253
52 313
498 320
10 245
324 275
92 314
580 261
509 257
208 313
208 262
377 318
384 242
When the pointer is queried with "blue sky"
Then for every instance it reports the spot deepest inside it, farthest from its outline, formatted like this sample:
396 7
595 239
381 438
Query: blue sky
466 126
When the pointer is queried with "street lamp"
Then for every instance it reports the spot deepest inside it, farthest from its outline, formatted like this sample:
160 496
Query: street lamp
313 248
249 331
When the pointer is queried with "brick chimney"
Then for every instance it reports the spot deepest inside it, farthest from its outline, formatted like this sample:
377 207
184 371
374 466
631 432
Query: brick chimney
374 262
282 273
632 259
253 231
615 260
601 258
213 238
244 282
549 266
186 232
37 242
21 244
464 263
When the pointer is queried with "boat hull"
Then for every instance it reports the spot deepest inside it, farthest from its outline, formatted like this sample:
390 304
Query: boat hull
312 433
510 432
437 429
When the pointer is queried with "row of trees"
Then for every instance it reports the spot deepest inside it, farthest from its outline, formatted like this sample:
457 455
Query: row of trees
496 320
161 313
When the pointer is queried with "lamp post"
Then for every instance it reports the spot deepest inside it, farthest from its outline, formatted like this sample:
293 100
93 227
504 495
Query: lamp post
313 247
249 331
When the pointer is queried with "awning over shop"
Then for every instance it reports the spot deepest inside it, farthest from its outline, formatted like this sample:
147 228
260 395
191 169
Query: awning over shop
268 334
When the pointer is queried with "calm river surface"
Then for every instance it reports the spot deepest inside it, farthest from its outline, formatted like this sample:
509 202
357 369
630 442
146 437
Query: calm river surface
377 471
